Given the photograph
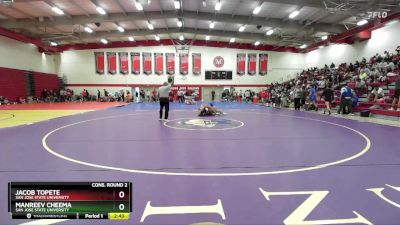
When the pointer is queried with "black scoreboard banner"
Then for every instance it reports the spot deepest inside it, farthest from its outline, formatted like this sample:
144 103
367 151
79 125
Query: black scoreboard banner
70 200
218 75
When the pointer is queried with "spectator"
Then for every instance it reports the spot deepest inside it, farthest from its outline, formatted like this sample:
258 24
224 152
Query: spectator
129 97
154 95
4 101
264 96
69 94
351 67
356 65
278 99
142 95
117 96
361 86
396 95
376 93
122 94
354 100
383 76
364 60
247 95
84 95
240 96
364 72
181 96
234 96
322 84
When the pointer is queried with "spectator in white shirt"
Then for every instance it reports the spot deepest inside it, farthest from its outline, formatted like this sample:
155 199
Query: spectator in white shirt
376 93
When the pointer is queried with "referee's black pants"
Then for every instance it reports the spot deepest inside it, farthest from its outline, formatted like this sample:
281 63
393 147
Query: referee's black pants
164 102
345 102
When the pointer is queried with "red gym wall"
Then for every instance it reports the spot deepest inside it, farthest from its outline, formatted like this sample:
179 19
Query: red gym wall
45 81
13 83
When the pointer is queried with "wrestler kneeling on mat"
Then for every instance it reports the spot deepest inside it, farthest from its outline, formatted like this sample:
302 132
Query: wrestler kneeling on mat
209 110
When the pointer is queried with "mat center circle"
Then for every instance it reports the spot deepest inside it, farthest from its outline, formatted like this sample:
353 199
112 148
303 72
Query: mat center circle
204 123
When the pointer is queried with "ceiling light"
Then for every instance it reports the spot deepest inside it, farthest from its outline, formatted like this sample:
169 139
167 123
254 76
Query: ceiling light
212 25
121 29
179 23
241 28
256 10
181 38
177 4
88 29
131 39
232 40
218 5
53 43
362 22
101 10
293 14
303 46
270 32
138 6
150 26
257 43
324 37
157 38
207 38
104 41
57 10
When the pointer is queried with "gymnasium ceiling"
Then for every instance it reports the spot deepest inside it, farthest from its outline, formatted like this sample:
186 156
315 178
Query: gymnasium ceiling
315 19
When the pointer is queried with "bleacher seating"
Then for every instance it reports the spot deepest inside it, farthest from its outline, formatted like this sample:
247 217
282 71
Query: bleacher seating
342 75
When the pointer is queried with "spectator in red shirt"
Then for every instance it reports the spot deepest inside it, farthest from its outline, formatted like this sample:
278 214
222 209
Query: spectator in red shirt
264 96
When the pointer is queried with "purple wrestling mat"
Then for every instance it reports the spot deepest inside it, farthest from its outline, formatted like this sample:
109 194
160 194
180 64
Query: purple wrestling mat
253 165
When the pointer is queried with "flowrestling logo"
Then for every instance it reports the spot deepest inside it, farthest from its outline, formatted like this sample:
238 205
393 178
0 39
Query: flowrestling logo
377 14
204 124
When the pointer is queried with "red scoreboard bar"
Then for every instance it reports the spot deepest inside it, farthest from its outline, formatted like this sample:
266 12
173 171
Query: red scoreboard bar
70 200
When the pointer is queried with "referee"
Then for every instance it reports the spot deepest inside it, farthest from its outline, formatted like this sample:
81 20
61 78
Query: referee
163 94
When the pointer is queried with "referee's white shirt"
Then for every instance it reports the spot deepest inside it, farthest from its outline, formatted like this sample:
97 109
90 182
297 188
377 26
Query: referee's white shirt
163 91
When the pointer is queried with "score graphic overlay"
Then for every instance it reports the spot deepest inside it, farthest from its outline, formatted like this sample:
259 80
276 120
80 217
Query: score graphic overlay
70 200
